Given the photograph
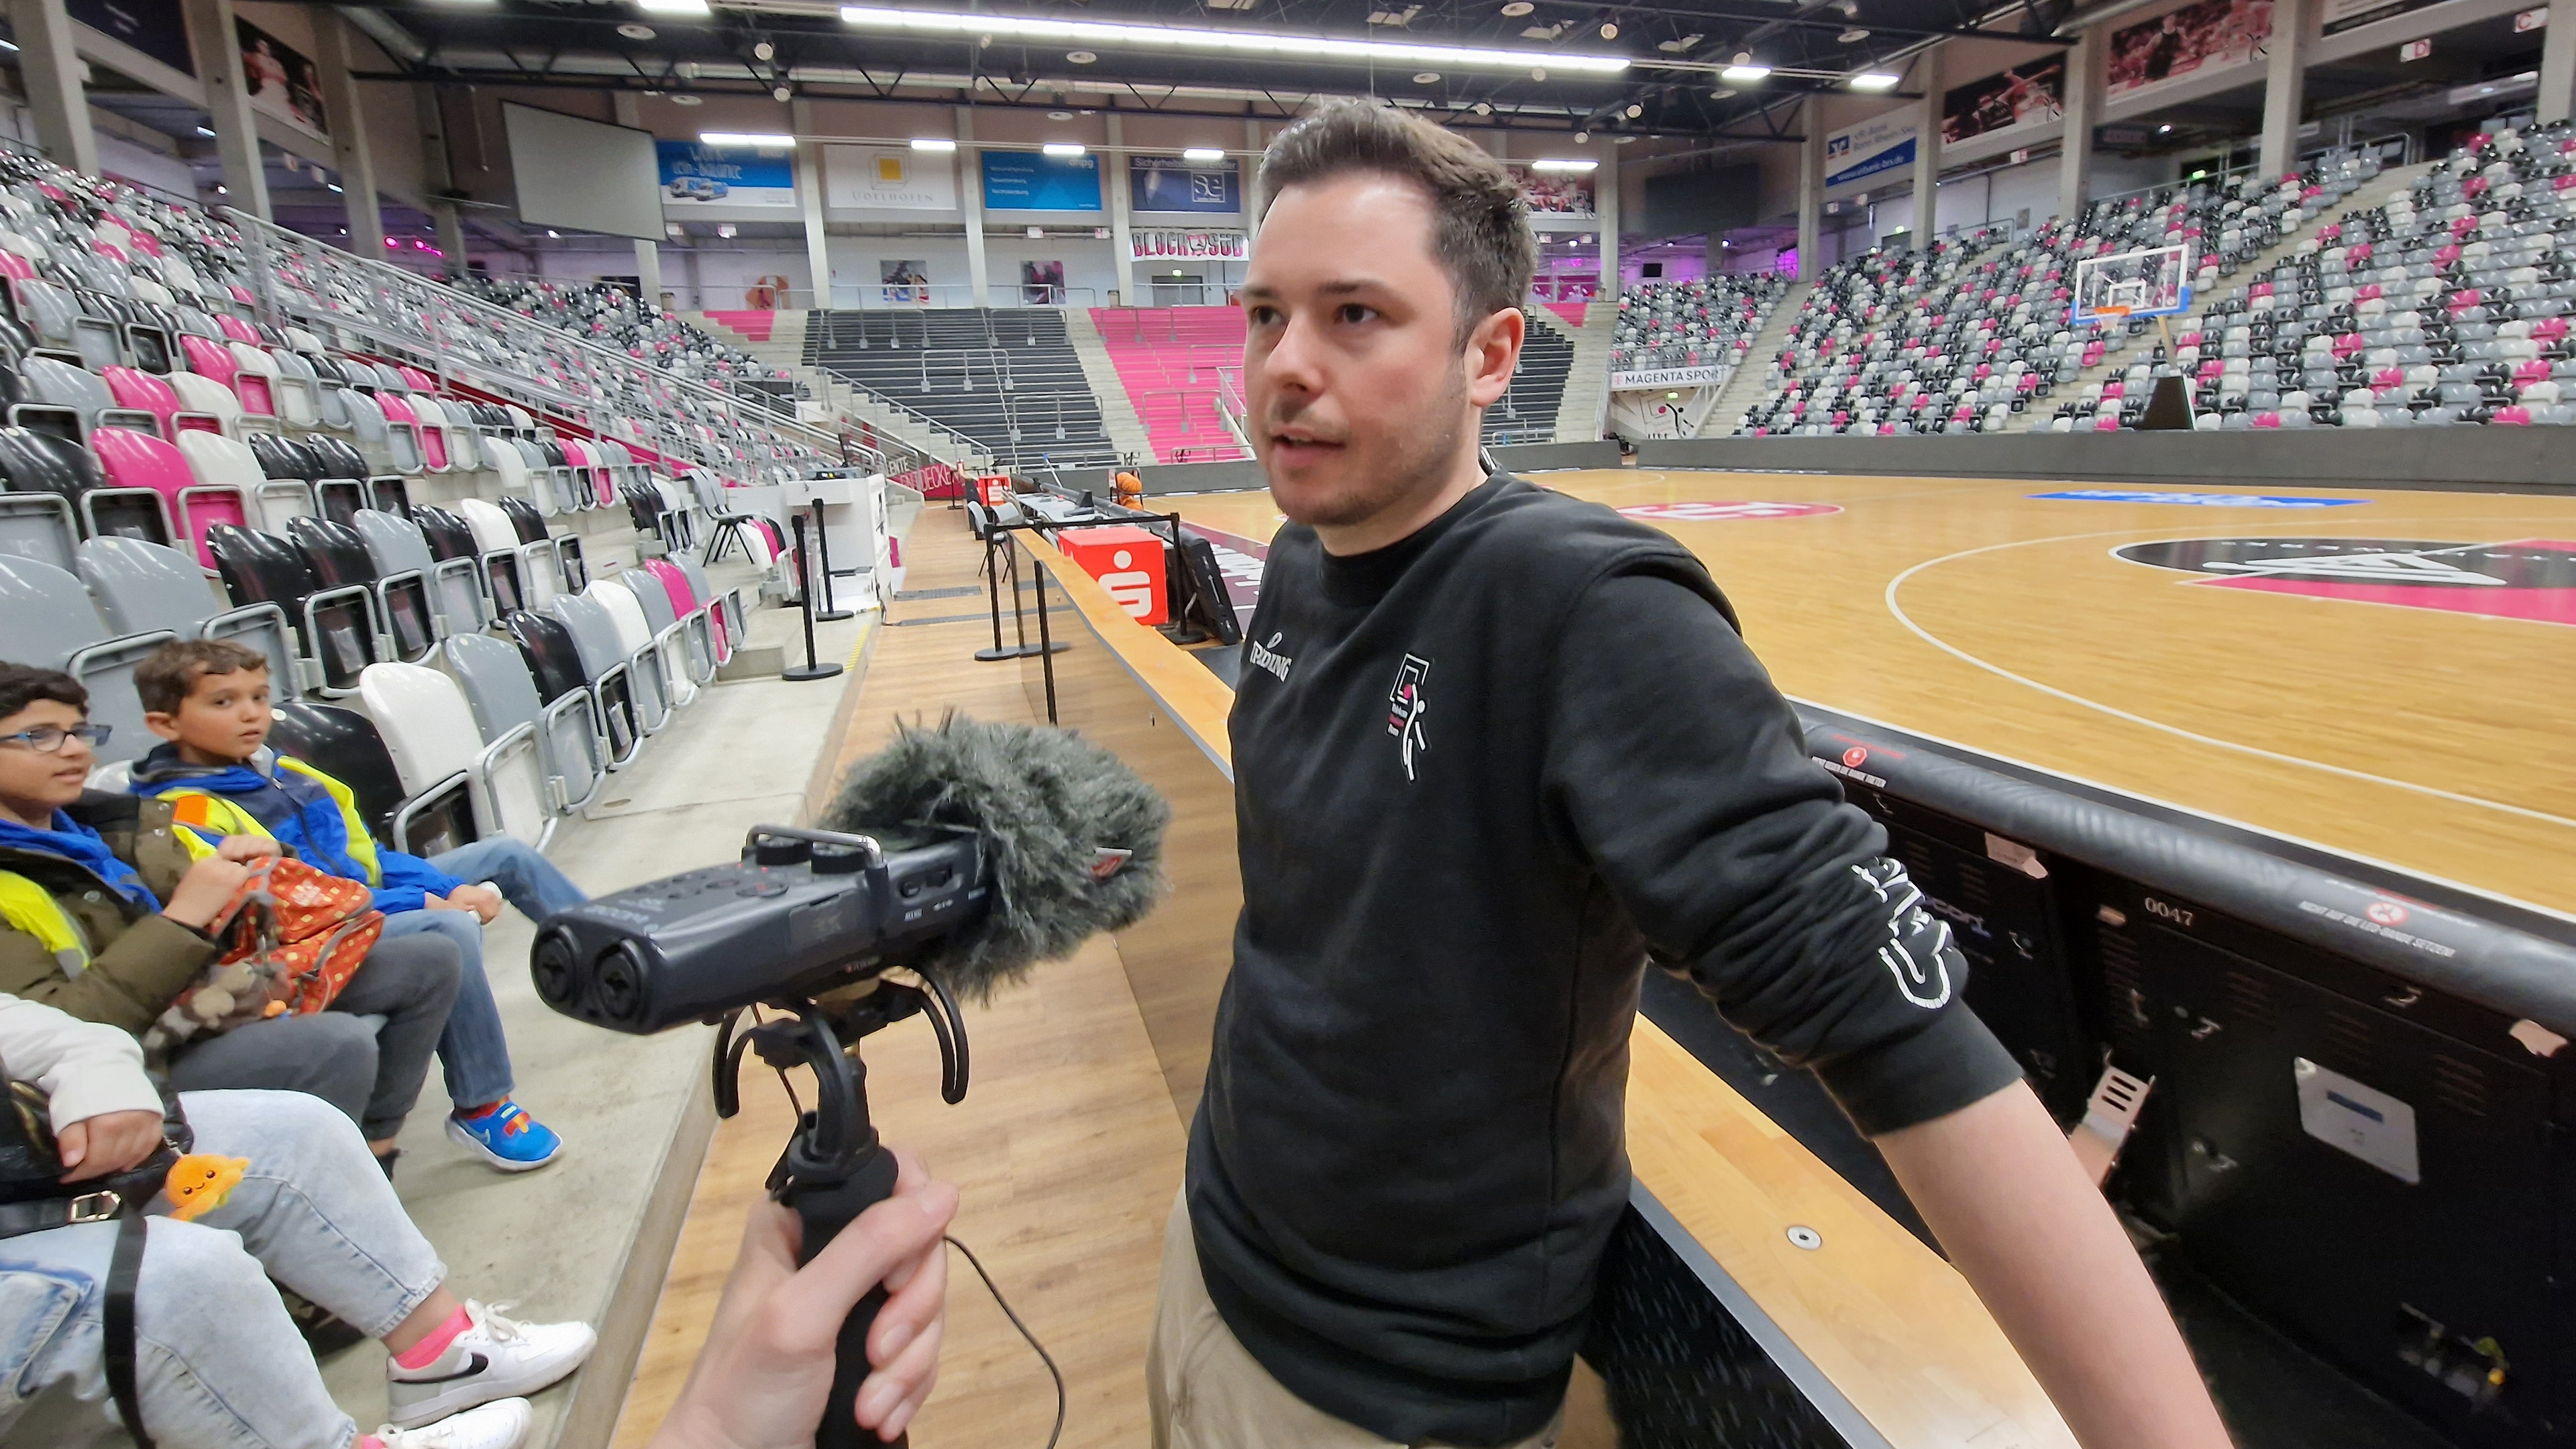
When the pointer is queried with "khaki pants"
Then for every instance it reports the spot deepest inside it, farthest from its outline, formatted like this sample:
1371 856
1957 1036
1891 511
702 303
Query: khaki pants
1208 1392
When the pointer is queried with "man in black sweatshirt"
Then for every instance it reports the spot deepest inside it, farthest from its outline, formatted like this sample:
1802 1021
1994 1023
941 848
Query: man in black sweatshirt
1495 749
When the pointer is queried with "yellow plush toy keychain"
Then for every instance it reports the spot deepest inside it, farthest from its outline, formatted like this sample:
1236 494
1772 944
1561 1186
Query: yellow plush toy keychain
199 1182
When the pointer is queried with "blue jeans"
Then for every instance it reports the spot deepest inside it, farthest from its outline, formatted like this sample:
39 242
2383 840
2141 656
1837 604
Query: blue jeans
218 1364
473 1053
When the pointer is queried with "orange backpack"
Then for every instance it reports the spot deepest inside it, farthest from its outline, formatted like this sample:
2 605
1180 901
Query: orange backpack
293 936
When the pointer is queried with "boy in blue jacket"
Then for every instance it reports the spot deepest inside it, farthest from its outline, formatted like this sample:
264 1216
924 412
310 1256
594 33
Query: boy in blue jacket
209 698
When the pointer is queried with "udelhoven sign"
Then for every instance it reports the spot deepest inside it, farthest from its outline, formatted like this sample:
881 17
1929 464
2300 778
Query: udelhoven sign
1662 377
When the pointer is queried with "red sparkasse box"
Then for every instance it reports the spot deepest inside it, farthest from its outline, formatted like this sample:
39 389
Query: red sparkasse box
994 489
1128 562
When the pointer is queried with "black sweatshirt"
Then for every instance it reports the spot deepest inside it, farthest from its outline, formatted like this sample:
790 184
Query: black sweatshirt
1481 775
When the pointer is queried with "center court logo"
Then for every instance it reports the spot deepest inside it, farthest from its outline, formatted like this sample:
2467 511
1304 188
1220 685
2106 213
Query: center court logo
1724 512
2530 578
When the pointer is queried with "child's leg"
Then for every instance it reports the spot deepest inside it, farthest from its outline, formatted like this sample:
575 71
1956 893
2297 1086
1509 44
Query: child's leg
218 1364
411 981
526 878
475 1054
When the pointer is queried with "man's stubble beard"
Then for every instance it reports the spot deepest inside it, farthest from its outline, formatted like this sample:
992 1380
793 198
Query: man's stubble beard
1419 463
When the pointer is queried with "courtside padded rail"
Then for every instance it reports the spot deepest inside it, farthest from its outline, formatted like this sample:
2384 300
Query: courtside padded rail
2487 459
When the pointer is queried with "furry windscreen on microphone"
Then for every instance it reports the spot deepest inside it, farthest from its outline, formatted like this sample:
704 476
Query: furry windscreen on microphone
1055 811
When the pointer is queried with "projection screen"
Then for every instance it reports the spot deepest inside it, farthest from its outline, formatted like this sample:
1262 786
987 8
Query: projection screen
583 176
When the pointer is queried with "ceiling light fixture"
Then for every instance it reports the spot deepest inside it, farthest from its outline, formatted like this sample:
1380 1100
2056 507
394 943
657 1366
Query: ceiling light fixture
1538 72
1552 163
1426 77
207 132
1482 109
764 140
1875 80
673 7
2166 129
1081 57
1059 115
335 186
550 231
782 95
1634 111
1202 153
933 143
688 100
1582 138
633 31
1063 148
1234 42
1740 74
1609 30
1852 35
726 229
1517 9
763 50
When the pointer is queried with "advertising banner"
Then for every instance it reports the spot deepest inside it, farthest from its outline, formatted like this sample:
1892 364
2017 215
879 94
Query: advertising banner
1168 183
1032 181
695 174
895 178
282 79
1663 377
2030 94
1555 193
1176 246
154 27
1881 143
2211 35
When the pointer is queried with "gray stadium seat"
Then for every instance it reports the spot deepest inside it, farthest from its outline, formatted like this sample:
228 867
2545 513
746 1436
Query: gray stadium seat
53 624
144 588
503 696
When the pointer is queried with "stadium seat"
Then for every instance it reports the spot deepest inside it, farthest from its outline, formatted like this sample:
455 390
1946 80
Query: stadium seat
143 588
53 623
507 709
345 745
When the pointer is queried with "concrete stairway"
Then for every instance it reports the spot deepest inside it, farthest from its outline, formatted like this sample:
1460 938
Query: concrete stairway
2375 193
840 402
1117 410
1751 377
1580 412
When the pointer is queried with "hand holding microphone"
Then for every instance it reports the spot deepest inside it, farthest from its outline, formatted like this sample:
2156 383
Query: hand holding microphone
763 1378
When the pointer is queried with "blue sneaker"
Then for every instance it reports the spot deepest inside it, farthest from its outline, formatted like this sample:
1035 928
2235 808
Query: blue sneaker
507 1138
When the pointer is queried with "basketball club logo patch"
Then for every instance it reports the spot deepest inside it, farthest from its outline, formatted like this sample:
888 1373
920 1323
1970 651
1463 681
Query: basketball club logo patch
1405 706
2529 578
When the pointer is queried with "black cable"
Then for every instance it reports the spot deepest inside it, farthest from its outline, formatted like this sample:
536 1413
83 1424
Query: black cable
1005 1305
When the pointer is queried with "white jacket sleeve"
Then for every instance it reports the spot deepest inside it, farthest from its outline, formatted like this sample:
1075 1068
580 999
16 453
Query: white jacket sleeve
89 1070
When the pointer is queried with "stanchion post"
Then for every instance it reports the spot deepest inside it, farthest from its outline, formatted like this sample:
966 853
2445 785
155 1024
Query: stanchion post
823 567
805 606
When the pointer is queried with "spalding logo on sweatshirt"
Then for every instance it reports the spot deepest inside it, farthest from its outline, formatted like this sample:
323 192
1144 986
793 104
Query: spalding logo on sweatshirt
1267 656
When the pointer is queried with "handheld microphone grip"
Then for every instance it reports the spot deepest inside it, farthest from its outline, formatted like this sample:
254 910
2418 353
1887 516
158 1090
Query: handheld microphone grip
824 1209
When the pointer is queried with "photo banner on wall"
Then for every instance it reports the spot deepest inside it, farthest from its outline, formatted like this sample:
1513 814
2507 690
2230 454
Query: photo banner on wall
889 178
155 27
282 79
1554 193
2208 36
1169 183
1031 181
2343 15
1867 148
695 175
2029 94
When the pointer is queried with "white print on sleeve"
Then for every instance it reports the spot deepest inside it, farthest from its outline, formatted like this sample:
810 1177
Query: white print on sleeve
1905 912
1405 706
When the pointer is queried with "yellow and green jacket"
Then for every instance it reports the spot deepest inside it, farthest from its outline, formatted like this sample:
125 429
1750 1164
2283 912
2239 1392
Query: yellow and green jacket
72 940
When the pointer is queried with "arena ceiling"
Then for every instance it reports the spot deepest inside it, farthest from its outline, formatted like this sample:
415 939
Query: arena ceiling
1632 68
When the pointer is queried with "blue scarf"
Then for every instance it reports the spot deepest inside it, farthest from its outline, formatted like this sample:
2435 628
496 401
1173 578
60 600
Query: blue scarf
78 843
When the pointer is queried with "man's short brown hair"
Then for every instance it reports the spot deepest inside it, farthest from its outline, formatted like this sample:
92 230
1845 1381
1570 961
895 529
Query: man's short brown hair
1480 225
164 681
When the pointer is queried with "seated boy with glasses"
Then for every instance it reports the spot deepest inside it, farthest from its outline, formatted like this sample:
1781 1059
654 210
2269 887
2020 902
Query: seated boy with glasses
104 904
210 700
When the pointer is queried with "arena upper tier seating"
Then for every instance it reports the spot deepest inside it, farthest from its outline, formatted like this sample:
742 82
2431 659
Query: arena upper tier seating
1005 377
1704 322
613 318
184 455
2448 305
1963 334
1169 360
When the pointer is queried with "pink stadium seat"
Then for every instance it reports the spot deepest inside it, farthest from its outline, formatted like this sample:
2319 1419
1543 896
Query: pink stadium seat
419 380
2266 420
237 329
132 459
209 358
675 583
144 393
2513 415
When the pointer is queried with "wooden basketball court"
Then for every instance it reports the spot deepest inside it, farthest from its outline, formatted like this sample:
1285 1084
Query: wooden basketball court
2401 704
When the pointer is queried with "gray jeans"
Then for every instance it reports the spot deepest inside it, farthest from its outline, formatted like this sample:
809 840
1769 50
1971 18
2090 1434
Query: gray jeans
372 1073
218 1364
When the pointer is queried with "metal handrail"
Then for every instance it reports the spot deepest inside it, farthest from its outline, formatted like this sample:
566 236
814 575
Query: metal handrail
383 304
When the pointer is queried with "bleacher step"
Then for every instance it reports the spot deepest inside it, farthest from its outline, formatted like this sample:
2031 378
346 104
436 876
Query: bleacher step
1118 415
1745 386
1585 406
